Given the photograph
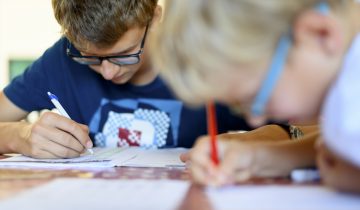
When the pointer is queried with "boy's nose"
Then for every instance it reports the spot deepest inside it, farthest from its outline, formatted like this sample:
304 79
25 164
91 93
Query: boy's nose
109 70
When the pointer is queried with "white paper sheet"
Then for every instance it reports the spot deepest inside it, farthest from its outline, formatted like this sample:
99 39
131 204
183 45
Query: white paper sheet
99 194
155 158
281 198
100 158
105 157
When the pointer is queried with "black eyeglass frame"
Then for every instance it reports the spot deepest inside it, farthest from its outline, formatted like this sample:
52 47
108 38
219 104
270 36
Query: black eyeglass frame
109 58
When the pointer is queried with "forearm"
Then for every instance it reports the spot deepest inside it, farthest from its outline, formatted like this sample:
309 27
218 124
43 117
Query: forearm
279 158
11 136
309 129
264 133
270 133
9 111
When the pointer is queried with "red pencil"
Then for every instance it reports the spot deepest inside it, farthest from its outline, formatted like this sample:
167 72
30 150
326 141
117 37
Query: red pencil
212 130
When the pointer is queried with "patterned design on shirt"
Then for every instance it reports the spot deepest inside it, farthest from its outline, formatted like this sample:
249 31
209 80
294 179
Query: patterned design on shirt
145 127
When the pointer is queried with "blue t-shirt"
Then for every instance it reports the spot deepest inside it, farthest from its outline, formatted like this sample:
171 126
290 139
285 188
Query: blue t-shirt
117 115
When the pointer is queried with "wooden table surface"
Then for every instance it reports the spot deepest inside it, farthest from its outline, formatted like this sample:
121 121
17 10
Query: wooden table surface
14 181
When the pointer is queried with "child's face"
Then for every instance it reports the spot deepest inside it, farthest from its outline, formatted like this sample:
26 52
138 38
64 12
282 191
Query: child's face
306 64
129 43
298 92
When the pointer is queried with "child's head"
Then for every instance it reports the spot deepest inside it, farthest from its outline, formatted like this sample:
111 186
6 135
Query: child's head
107 28
224 49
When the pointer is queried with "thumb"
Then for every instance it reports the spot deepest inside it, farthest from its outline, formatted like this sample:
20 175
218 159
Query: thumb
184 157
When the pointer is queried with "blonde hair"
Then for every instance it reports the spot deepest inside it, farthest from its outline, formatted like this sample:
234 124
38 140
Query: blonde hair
198 38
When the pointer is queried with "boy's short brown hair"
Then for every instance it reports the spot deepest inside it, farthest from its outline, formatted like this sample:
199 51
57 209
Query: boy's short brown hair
101 22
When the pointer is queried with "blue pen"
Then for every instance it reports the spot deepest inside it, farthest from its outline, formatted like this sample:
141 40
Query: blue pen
62 111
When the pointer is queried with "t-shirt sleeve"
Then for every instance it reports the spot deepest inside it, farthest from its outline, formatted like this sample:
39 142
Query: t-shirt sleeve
228 121
28 91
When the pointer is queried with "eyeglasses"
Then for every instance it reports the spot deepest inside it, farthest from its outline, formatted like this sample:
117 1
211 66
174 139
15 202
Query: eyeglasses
257 106
276 68
273 75
120 60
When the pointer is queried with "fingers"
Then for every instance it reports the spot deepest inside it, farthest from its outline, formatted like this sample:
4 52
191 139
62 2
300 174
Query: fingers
59 137
199 155
79 132
184 157
54 136
49 149
237 164
200 175
42 154
202 169
85 128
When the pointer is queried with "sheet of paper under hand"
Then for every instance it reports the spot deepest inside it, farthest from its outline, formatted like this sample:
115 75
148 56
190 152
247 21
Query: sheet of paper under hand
105 157
100 194
101 158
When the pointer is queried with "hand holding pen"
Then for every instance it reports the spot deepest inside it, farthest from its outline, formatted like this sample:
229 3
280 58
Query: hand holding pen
62 111
236 163
51 136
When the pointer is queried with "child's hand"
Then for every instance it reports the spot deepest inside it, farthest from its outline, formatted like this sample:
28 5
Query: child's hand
237 162
185 157
252 136
242 160
54 136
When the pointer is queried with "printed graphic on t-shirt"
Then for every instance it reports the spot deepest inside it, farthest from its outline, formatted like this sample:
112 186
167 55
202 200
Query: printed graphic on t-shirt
149 123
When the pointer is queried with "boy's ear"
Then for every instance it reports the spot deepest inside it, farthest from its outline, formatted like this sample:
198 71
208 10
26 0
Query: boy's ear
157 17
313 29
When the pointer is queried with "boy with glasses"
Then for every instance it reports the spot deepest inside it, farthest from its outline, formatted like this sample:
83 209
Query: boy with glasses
101 73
